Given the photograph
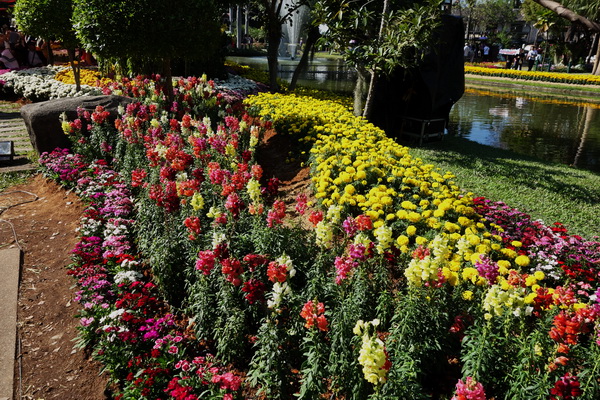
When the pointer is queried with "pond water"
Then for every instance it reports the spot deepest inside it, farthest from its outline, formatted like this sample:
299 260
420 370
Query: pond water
322 73
557 130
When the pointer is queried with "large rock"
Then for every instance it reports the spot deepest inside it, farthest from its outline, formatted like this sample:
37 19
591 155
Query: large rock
43 120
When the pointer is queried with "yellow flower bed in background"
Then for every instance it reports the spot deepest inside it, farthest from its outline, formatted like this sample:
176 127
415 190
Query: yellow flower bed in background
580 79
88 77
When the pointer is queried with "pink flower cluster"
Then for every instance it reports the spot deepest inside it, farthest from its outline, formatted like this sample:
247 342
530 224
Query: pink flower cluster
470 389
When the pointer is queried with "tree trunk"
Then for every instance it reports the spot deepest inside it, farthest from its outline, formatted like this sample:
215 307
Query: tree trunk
360 90
50 57
75 67
593 47
589 116
370 94
596 69
311 40
238 28
273 41
168 77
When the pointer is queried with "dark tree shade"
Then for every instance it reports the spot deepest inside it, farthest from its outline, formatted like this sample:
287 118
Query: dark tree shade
153 29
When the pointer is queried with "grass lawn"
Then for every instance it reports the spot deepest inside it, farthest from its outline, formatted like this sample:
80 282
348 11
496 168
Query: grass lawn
546 191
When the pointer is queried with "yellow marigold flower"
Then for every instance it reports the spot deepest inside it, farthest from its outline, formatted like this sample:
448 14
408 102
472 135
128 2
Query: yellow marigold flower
474 240
451 276
402 240
529 298
516 243
530 280
408 205
539 275
578 306
509 253
420 240
522 261
402 214
475 257
411 230
414 217
467 295
464 221
503 267
451 227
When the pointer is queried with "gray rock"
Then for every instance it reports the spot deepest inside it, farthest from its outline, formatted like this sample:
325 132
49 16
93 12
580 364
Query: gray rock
43 120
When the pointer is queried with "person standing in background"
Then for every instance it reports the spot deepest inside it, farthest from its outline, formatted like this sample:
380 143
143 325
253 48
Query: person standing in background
531 56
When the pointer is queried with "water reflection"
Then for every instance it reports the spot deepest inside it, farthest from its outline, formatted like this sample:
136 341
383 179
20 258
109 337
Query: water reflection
555 130
322 73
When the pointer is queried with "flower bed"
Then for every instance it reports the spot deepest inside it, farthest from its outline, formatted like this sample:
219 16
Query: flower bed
88 77
39 84
404 286
579 79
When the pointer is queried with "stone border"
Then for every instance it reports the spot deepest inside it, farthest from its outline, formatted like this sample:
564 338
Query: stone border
10 270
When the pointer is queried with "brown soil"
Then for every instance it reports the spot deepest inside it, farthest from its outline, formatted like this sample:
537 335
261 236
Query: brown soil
48 366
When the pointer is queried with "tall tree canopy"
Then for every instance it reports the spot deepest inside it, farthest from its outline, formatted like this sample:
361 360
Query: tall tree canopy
584 13
49 19
149 29
376 37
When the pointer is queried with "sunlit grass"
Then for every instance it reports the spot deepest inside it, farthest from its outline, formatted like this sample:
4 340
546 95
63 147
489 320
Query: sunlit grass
547 191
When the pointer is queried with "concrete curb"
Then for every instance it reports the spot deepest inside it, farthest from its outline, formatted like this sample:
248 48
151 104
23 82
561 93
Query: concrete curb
10 271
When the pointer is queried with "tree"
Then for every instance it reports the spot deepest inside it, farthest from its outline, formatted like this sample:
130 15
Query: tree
377 38
587 20
273 14
50 19
153 30
493 15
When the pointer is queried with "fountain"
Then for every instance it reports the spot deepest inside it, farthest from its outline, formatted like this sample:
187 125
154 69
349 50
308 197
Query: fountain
292 28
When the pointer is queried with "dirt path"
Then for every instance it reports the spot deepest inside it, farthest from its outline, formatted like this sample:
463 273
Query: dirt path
48 367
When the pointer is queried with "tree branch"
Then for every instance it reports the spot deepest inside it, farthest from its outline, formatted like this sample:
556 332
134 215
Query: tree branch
571 15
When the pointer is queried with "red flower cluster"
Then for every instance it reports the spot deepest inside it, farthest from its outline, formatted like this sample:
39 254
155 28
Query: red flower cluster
232 268
206 261
277 214
193 225
314 314
277 272
567 388
567 328
255 291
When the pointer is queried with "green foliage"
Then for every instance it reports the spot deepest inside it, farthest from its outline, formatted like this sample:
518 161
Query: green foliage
314 367
419 339
8 179
349 306
46 19
354 30
270 370
148 29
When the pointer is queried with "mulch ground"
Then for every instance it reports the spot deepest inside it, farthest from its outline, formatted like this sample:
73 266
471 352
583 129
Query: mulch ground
48 366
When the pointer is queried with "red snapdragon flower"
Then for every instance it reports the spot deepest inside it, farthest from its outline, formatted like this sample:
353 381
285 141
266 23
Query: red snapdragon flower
314 314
